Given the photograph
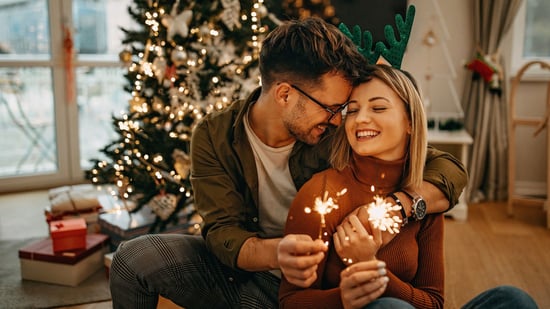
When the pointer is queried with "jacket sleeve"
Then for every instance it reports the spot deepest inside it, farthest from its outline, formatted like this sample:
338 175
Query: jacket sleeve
446 173
218 198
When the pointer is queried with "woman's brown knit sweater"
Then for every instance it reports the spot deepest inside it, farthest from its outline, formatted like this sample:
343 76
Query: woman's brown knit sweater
414 258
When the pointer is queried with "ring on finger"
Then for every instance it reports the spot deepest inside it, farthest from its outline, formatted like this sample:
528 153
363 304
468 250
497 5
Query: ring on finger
346 238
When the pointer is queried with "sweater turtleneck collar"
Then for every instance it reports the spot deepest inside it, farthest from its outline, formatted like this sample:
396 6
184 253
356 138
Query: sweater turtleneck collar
386 176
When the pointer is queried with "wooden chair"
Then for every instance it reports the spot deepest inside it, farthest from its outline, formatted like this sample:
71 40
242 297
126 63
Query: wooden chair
539 124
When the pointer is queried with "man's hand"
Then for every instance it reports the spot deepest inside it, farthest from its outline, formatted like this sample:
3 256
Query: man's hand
361 283
299 256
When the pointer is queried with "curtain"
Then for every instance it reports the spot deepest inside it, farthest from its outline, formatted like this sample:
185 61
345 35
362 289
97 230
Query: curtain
486 110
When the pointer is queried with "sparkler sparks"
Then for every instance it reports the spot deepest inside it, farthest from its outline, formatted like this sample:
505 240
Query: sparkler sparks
379 215
324 206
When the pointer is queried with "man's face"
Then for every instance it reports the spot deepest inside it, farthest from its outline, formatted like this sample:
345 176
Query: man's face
307 118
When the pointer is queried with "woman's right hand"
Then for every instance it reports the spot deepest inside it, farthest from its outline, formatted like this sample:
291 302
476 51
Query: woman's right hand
362 282
353 242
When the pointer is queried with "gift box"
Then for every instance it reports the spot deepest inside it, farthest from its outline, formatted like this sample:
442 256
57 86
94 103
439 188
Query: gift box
78 201
121 224
68 234
39 262
107 261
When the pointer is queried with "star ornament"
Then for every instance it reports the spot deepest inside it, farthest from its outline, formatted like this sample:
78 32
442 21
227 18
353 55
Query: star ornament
177 23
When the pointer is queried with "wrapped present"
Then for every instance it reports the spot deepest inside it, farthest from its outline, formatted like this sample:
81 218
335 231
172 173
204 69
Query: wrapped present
121 224
77 198
107 261
39 262
78 201
68 234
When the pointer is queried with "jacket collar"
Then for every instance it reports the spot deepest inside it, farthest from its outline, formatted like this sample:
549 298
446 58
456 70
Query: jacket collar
242 108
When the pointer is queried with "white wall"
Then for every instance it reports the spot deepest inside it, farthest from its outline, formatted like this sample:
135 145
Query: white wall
452 22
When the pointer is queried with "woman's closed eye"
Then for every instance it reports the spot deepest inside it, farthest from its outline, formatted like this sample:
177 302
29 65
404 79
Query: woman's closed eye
379 109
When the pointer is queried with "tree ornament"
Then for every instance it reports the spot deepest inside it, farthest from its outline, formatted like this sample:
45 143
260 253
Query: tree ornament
178 56
262 11
159 68
163 204
182 163
231 13
148 92
125 57
177 23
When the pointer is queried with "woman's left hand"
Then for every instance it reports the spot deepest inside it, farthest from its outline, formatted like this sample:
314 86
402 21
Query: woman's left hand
361 283
353 243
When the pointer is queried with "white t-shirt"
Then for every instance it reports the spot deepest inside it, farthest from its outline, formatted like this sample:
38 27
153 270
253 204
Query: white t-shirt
277 188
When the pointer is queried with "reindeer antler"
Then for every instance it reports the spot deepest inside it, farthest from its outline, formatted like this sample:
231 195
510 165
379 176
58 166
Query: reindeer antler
394 55
365 47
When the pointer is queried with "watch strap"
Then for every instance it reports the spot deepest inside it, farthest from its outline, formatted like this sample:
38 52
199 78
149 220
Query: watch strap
405 219
409 195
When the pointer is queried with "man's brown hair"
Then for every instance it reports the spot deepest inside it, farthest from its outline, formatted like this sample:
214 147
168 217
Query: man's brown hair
304 50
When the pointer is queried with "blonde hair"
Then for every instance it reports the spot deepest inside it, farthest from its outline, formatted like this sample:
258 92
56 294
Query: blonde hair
403 84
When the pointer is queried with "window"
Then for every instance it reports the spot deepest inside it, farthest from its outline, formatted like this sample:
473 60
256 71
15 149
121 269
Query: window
531 36
46 139
537 29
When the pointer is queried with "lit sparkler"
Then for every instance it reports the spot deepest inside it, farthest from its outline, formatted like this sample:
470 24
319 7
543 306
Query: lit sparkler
323 207
379 215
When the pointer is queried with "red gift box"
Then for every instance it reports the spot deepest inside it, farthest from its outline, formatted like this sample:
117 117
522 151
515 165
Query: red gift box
39 262
68 234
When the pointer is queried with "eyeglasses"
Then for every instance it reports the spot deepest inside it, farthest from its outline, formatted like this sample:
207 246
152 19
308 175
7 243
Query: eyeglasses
332 110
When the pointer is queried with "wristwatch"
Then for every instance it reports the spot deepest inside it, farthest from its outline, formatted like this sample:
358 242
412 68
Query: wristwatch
418 206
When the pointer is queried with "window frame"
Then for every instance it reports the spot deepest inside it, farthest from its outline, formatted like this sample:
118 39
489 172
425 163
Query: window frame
518 35
66 115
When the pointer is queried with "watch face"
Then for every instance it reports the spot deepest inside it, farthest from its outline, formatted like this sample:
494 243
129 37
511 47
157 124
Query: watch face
420 211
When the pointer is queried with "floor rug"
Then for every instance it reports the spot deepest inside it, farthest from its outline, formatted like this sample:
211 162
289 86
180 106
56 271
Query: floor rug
18 293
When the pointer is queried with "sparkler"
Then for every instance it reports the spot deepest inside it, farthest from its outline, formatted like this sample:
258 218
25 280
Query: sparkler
379 215
323 207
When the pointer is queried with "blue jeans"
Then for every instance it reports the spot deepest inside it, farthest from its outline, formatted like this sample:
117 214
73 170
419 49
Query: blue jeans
502 297
389 303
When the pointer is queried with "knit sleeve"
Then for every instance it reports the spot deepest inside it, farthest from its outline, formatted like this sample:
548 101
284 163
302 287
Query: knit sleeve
426 288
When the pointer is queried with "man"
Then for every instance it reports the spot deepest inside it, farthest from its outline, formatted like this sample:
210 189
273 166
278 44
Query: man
248 162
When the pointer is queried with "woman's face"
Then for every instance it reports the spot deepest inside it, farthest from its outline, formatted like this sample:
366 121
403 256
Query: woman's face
376 123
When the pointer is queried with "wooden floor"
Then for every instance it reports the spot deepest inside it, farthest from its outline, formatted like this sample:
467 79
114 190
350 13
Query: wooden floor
492 249
487 250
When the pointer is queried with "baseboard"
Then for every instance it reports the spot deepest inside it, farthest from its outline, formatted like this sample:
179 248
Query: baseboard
530 188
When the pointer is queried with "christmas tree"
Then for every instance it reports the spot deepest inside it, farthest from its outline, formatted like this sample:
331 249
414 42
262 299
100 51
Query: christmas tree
188 58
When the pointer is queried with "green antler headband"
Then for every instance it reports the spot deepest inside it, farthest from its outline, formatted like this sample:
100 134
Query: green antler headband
394 55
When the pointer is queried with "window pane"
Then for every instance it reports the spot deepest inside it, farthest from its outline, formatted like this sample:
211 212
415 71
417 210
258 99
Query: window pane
537 29
27 127
24 27
100 95
98 25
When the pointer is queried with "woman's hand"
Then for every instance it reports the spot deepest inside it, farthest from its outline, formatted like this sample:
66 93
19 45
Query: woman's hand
353 242
362 282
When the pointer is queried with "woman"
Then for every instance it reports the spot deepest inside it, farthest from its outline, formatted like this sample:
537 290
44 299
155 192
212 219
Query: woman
381 149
